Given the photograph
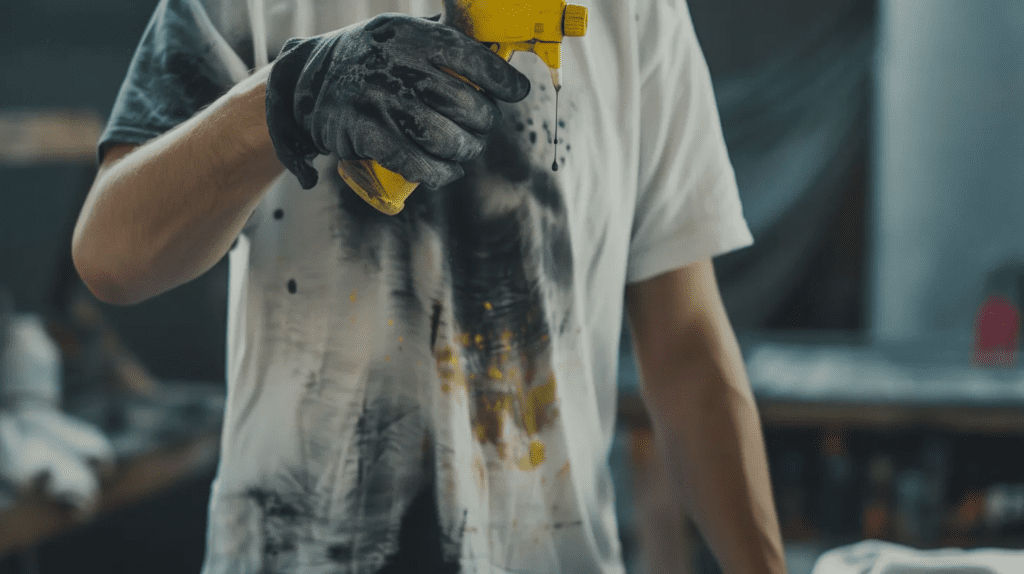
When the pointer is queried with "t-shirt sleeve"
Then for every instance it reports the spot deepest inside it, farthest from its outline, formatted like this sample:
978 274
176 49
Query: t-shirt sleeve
183 63
688 206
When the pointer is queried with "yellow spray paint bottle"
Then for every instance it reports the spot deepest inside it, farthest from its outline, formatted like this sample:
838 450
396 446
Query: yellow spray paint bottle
508 26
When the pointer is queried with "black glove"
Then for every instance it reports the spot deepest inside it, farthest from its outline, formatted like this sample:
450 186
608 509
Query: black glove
375 90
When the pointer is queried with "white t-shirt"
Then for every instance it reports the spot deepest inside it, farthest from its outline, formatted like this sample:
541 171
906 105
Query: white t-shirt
464 351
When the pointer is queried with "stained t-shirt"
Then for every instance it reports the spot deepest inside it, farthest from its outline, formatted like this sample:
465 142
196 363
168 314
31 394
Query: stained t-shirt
455 362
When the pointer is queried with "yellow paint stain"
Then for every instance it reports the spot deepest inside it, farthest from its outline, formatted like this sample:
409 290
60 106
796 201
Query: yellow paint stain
488 306
464 339
537 400
446 388
352 297
564 470
481 432
353 320
512 373
479 472
534 458
543 337
479 340
400 339
387 357
445 355
495 373
391 321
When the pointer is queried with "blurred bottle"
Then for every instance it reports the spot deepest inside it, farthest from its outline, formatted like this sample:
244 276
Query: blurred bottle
791 498
877 511
936 463
921 497
836 490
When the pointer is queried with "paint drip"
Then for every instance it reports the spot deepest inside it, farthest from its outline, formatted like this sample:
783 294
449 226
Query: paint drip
554 163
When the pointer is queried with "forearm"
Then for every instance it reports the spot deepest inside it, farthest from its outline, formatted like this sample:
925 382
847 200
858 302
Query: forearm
708 432
168 211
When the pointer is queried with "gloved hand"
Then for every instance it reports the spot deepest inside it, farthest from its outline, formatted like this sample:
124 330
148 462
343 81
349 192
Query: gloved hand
375 90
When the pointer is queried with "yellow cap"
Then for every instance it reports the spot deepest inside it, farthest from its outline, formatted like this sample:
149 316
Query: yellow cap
575 22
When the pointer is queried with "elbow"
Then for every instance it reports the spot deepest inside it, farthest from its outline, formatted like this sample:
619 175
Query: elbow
106 285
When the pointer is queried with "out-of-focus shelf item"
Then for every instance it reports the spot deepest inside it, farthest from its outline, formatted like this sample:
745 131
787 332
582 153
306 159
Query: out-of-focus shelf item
33 519
163 432
823 379
30 136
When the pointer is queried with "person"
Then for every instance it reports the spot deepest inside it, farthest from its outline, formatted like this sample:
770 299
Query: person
434 391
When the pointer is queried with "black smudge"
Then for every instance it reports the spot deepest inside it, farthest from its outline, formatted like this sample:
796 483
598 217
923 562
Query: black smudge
369 110
340 553
435 321
504 158
384 81
410 77
545 191
306 104
319 77
407 123
283 514
383 35
374 59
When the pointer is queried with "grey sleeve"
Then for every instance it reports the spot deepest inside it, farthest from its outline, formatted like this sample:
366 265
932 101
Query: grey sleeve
183 63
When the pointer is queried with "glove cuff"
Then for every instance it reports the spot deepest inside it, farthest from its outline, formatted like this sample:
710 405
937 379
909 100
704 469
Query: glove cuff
293 145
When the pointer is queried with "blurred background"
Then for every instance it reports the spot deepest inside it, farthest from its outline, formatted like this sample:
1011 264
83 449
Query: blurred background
879 149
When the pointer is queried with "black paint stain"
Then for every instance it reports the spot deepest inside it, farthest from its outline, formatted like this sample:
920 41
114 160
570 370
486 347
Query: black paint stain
533 137
308 101
278 213
292 286
420 540
384 35
504 158
408 124
409 77
384 81
282 517
341 553
435 321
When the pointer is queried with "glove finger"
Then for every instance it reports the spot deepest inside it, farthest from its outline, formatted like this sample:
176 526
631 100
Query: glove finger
437 135
460 103
405 158
472 59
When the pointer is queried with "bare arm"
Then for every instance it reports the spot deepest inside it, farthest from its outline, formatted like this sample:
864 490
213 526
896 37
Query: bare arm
704 416
164 213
